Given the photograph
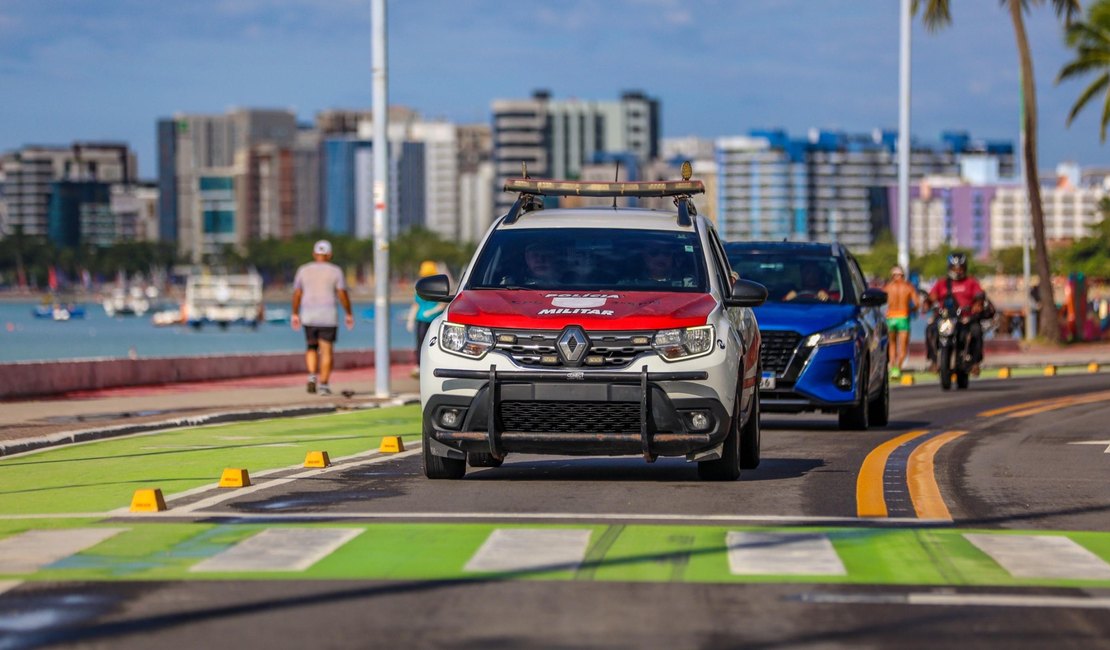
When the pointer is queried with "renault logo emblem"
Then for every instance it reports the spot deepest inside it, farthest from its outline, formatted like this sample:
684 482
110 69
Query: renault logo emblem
572 345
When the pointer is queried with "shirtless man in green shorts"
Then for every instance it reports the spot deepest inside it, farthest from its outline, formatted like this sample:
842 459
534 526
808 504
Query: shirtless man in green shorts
900 300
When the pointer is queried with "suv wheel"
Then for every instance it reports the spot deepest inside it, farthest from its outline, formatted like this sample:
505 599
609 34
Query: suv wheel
854 418
879 410
438 466
483 459
727 467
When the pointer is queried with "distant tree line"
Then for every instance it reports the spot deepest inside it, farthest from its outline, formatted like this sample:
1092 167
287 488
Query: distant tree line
33 257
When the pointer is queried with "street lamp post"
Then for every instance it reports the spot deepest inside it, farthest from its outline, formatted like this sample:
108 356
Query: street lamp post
904 140
380 106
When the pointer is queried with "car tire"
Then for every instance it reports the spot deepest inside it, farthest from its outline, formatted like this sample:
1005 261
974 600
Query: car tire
879 409
438 467
854 418
483 459
727 467
751 434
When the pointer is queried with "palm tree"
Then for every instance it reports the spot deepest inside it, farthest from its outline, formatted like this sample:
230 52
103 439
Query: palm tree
938 15
1091 41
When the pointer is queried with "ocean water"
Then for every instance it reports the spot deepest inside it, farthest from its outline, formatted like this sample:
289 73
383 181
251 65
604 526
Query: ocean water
25 338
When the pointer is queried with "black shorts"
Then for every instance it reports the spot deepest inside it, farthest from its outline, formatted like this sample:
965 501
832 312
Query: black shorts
313 335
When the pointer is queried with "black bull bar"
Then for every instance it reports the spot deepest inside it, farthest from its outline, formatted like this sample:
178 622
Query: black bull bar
643 378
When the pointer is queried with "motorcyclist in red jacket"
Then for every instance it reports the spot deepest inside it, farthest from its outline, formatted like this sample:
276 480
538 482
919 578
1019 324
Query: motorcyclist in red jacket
969 297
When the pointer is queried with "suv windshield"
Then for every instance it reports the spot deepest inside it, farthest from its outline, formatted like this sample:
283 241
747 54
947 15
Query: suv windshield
792 278
591 258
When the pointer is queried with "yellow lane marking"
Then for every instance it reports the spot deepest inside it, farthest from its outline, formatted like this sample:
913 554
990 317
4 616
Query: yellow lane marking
1034 407
870 501
922 481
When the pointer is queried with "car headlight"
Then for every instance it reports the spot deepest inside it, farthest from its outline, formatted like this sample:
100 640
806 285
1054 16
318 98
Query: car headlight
465 340
677 344
838 334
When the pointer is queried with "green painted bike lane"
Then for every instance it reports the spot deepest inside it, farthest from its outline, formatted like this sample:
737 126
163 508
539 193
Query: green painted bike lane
101 476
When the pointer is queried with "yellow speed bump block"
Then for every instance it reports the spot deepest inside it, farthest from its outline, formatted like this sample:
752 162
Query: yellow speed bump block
148 500
1005 373
391 445
1050 371
235 478
1092 366
907 380
317 459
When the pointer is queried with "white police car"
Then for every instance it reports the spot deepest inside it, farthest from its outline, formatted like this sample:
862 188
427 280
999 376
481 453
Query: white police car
594 331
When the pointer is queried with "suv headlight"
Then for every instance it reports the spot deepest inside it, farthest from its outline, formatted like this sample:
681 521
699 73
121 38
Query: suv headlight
677 344
838 334
465 340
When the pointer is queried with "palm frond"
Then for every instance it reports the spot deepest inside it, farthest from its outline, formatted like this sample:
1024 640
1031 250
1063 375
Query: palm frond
1105 113
1095 88
937 14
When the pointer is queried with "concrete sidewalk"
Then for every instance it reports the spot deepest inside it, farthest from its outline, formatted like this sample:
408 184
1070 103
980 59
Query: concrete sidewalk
90 415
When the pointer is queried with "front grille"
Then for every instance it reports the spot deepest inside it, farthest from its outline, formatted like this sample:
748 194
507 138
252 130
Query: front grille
570 417
529 346
777 349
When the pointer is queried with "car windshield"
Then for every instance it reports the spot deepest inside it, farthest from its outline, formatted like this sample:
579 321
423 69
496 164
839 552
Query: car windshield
791 277
591 258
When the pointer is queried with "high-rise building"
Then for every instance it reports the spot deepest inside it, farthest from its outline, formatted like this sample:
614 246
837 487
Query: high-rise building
193 147
135 211
475 185
31 172
830 186
1069 213
308 209
555 138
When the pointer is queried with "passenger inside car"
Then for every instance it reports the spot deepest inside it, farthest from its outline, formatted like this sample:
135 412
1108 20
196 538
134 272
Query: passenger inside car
813 285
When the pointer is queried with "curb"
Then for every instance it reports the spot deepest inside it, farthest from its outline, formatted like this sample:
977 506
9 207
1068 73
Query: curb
24 445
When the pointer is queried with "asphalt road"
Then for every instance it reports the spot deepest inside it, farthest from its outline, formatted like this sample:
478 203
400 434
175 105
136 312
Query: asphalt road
1030 458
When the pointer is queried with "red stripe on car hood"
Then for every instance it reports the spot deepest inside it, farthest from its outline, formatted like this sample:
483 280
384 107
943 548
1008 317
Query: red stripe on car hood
600 310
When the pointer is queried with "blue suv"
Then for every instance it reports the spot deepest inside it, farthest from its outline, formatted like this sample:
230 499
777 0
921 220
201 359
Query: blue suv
824 335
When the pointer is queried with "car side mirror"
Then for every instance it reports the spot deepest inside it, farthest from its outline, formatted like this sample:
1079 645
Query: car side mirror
873 298
746 293
436 288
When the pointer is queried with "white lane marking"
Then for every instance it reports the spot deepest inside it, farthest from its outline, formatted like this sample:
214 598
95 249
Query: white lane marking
759 553
960 600
337 464
1041 556
279 549
531 549
228 494
8 585
31 550
520 516
1094 442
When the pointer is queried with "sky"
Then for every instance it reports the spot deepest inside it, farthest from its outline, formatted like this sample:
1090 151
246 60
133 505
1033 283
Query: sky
108 69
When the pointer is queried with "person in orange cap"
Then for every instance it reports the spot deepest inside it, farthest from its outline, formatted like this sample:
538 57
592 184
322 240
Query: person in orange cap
422 313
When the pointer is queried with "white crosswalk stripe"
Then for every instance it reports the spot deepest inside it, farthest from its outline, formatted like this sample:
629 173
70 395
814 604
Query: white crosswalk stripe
1041 556
279 549
32 550
531 549
758 553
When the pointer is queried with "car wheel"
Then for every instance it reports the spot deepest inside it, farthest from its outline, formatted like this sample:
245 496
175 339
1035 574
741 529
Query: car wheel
727 467
854 418
750 435
438 467
879 411
483 459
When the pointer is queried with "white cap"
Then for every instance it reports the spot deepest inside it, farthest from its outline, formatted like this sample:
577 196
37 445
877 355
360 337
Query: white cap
322 247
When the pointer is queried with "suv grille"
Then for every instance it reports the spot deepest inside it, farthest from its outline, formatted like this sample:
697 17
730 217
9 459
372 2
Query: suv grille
570 417
777 349
616 348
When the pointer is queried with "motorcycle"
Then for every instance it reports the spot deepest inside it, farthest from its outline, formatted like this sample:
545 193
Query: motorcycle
953 347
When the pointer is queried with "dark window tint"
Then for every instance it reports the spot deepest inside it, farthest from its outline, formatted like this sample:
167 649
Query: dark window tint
792 277
591 258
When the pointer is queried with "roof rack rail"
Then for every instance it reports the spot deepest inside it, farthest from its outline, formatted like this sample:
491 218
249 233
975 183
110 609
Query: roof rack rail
540 187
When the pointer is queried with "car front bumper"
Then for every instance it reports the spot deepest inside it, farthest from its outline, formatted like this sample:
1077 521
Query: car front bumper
813 385
574 413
